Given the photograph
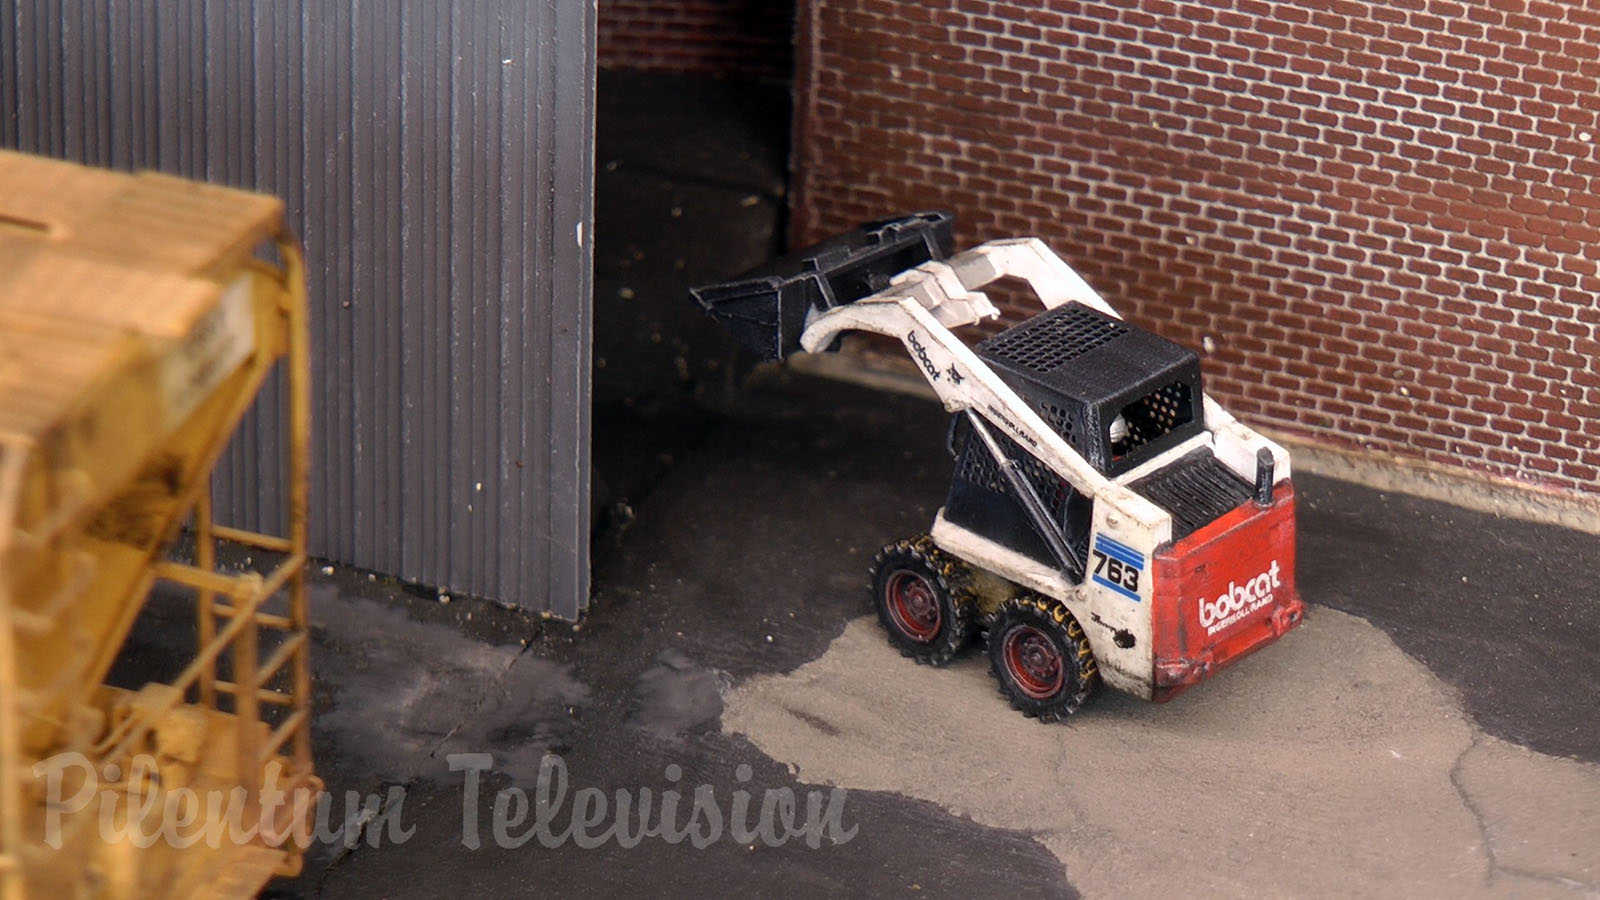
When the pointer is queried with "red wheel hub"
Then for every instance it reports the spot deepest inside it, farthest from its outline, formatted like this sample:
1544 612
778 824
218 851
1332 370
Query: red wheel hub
1034 662
914 606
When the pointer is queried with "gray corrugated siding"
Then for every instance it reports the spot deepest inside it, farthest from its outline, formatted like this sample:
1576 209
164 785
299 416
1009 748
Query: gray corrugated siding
436 159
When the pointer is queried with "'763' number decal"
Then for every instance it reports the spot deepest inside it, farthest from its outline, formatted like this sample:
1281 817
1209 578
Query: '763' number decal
1117 566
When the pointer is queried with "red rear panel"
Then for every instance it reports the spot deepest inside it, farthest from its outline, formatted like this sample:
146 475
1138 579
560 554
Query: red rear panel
1223 591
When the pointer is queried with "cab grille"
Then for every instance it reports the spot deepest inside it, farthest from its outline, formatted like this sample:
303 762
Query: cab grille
1197 490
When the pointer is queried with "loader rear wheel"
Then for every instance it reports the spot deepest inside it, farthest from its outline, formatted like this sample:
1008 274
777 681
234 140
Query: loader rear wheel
921 600
1041 658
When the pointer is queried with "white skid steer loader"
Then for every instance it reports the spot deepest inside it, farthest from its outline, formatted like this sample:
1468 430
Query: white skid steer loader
1106 521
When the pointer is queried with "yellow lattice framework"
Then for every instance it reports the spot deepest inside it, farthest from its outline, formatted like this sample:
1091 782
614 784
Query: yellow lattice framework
140 317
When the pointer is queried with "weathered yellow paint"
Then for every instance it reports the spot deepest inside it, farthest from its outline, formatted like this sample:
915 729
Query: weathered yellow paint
139 318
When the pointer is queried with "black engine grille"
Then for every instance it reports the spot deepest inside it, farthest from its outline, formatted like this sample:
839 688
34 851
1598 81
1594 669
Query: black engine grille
1197 490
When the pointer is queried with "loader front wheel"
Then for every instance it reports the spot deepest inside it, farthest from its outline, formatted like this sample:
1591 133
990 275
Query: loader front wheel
1041 658
920 601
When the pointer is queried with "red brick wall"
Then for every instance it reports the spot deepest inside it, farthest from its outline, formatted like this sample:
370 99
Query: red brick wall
1380 219
729 38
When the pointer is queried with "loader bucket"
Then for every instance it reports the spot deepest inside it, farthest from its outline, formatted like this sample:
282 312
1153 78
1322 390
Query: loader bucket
765 309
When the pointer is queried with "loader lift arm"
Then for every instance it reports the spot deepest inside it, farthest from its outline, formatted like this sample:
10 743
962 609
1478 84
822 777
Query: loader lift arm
921 306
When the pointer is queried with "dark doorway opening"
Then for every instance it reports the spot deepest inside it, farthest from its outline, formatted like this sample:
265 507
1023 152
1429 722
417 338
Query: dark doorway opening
693 114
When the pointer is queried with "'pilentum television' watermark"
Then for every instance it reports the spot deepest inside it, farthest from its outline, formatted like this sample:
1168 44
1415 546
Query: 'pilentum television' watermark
128 807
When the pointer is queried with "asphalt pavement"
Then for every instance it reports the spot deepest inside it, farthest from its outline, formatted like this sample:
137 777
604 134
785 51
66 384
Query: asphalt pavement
1427 733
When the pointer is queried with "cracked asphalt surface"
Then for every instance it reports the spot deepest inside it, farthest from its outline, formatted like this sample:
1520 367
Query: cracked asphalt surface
1366 781
1430 731
1360 756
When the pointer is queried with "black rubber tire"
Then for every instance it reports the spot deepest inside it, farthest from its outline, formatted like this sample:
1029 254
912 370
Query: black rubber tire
1041 658
921 600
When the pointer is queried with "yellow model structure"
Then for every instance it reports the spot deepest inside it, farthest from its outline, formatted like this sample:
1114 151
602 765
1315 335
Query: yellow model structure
140 315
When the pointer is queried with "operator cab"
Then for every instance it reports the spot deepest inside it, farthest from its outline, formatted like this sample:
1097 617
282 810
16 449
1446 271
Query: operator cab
1119 396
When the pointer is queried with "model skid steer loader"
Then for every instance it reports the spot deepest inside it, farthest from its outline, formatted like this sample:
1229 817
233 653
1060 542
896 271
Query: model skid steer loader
1106 520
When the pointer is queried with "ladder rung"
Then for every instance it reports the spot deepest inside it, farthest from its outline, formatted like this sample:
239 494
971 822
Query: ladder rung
263 695
196 577
268 620
252 538
281 734
279 657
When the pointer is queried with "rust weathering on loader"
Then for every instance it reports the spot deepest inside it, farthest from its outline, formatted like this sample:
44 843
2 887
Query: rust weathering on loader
140 315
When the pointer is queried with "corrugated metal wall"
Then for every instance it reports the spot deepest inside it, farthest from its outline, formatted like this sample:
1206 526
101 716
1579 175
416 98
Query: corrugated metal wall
436 158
